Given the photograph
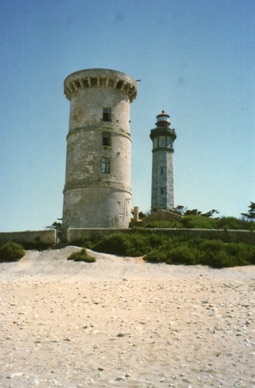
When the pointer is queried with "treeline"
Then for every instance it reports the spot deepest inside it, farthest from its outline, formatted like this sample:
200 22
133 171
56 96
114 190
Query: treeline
194 218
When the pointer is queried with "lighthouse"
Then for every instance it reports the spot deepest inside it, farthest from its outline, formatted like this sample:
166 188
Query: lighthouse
97 190
162 188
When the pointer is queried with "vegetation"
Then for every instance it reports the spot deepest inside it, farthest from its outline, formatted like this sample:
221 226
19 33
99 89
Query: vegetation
183 249
199 221
58 227
214 253
182 217
251 212
11 251
36 245
131 244
82 255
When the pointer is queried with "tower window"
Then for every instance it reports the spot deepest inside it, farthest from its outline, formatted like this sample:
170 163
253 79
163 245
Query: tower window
162 141
168 142
105 166
163 170
107 114
162 190
106 139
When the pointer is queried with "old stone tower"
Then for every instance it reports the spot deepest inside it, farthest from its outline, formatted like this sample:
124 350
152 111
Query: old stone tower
97 190
162 190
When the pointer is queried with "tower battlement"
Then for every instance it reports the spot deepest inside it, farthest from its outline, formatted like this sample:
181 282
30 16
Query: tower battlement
100 78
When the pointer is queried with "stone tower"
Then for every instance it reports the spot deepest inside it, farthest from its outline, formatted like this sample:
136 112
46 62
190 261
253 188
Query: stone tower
97 190
162 190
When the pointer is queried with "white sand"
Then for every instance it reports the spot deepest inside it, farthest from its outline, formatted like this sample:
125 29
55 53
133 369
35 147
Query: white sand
121 322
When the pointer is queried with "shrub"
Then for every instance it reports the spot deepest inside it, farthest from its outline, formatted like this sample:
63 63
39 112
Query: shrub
241 252
157 248
218 254
160 224
116 244
155 240
232 223
198 222
11 251
222 259
135 243
39 246
155 257
183 254
82 255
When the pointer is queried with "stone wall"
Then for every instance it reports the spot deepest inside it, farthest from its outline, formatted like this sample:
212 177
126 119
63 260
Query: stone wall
97 190
162 179
79 234
47 237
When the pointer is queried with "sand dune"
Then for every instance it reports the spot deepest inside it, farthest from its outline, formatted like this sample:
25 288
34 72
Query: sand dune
121 322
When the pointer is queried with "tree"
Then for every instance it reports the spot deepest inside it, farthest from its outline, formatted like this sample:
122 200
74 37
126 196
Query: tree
251 212
193 212
180 209
210 213
58 227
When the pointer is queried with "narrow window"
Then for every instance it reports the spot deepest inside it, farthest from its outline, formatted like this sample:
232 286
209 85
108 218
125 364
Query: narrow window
162 170
168 142
107 114
105 166
106 139
162 141
162 190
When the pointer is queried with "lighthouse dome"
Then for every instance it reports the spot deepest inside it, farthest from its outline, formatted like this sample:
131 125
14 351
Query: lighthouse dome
163 120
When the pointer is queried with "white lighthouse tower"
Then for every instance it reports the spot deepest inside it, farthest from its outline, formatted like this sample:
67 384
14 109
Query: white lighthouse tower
163 137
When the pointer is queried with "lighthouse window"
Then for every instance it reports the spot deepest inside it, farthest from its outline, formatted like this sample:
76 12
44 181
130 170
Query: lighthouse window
162 141
107 113
106 139
105 166
163 170
168 142
155 142
162 190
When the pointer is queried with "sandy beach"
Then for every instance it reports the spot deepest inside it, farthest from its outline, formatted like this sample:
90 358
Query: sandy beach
121 322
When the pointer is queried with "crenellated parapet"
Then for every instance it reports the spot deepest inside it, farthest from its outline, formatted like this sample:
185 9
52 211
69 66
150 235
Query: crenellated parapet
100 78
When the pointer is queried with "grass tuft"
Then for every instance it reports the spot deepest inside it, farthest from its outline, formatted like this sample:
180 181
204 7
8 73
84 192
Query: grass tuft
82 255
11 251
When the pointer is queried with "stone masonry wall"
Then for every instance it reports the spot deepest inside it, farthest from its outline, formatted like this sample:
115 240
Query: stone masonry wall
47 237
247 236
93 197
162 159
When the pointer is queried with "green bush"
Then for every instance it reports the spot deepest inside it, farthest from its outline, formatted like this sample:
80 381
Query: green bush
218 254
241 252
157 248
11 251
183 254
82 255
116 244
160 224
36 245
198 222
135 243
232 223
156 257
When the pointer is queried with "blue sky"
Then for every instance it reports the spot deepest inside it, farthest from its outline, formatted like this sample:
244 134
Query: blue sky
195 59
